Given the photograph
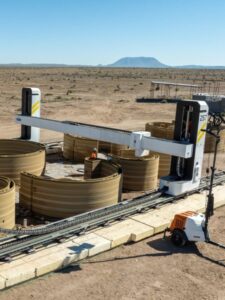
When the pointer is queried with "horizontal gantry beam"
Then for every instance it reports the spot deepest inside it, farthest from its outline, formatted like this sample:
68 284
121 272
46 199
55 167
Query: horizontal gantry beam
140 140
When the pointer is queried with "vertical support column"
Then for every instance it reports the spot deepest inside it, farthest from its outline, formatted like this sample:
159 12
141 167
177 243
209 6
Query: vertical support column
31 106
152 87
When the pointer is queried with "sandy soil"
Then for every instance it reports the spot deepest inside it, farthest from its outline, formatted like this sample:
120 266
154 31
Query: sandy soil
150 269
98 96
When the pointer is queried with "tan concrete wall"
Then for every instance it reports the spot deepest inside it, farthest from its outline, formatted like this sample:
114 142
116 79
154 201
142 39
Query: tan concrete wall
18 156
62 198
139 173
7 203
165 130
162 130
77 148
210 142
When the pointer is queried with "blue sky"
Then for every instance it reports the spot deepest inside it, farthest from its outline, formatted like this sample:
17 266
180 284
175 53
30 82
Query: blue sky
101 31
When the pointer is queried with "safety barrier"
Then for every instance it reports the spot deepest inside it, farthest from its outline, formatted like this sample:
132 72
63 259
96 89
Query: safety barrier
18 156
7 203
64 197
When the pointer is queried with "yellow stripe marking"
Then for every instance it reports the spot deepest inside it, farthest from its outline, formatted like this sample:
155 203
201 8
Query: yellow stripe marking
35 107
34 111
200 132
35 104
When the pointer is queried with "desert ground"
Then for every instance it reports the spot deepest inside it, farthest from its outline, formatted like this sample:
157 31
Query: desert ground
150 269
153 268
101 96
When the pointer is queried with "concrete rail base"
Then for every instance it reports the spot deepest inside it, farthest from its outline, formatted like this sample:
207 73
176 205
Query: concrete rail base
134 228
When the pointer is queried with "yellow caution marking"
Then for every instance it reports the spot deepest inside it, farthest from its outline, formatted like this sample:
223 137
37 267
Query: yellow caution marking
35 107
200 132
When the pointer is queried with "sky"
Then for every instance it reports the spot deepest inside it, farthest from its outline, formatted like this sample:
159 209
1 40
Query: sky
92 32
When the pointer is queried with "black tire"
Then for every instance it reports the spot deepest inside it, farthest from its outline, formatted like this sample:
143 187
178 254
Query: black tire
178 238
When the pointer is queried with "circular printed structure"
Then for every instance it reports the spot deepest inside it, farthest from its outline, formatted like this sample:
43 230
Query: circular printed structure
165 130
77 148
162 130
18 156
61 198
139 173
210 142
7 203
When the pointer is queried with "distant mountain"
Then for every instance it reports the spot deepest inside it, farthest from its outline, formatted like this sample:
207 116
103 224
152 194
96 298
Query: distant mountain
138 62
199 67
151 62
126 62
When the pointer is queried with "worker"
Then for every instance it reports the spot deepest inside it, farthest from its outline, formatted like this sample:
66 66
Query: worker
94 153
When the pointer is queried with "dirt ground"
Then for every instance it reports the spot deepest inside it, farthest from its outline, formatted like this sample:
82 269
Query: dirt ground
153 268
150 269
100 96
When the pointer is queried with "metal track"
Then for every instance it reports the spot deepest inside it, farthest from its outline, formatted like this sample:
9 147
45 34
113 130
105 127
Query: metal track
27 240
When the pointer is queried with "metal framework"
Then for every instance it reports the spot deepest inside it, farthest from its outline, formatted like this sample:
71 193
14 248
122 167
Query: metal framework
168 85
139 140
31 239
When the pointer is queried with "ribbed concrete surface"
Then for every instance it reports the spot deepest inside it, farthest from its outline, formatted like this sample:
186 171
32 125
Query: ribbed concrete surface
162 130
77 148
139 173
211 141
135 228
7 203
18 156
62 198
106 147
165 130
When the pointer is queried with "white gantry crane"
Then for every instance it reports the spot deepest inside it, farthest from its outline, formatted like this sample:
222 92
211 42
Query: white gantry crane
187 147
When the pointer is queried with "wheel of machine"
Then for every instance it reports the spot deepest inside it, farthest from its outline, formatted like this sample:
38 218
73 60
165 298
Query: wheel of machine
178 238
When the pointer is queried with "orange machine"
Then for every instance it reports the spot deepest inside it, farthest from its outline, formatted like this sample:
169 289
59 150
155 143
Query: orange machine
187 226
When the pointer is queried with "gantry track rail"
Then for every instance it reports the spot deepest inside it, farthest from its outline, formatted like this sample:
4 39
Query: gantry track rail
29 240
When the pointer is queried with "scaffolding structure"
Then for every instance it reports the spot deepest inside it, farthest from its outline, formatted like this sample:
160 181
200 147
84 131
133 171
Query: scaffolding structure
165 88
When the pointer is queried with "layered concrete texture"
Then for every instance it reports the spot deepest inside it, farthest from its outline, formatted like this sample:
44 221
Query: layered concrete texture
211 141
106 147
7 203
139 173
63 197
133 229
77 148
165 130
18 156
162 130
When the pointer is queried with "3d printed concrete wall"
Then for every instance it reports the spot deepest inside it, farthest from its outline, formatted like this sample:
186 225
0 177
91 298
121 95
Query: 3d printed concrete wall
165 131
77 148
211 141
18 156
7 203
139 173
62 198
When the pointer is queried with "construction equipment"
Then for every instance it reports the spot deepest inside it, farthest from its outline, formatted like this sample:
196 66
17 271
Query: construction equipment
190 226
187 147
